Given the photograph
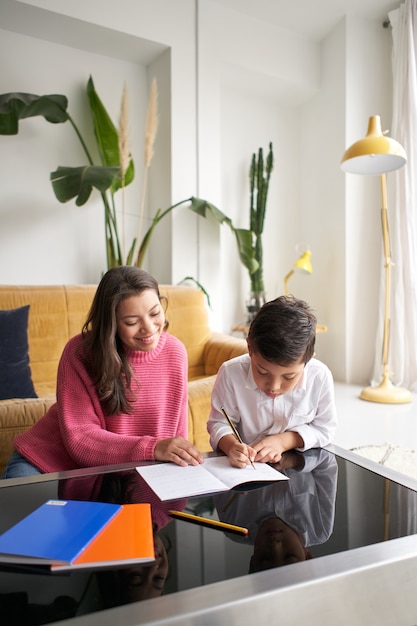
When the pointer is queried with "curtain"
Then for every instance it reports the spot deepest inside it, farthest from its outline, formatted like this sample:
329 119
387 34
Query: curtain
402 206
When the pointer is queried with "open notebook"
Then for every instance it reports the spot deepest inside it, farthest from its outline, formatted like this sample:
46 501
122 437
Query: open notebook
170 481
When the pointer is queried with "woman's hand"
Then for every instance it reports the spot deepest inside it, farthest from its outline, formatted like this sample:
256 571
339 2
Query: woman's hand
177 450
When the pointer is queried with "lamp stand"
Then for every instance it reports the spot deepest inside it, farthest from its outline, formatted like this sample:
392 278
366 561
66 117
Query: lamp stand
286 279
386 392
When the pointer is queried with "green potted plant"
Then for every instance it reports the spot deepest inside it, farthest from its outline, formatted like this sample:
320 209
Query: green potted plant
113 173
249 241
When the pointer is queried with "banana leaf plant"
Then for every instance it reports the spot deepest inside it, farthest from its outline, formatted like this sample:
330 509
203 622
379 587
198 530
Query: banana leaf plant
78 182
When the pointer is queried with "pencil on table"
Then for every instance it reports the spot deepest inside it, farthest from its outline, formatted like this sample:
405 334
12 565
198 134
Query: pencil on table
210 523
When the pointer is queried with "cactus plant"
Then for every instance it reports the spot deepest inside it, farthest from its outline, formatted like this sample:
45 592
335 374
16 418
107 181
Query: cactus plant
249 241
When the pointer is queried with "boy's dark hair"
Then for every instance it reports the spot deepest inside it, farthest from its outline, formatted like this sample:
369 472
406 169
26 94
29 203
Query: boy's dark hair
283 331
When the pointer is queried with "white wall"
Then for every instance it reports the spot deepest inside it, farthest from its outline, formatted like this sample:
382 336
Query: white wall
368 92
322 206
228 85
341 212
249 84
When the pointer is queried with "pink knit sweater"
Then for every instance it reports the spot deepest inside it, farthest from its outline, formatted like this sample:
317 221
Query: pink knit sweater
75 432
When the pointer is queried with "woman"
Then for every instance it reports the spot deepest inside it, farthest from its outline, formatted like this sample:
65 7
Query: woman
121 388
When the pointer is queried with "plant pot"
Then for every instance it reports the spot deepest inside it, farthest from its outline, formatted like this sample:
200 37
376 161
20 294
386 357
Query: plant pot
255 302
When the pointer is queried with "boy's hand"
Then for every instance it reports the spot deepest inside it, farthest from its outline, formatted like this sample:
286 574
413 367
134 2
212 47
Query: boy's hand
270 449
239 454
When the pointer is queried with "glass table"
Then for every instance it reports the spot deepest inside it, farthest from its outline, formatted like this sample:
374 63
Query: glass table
338 519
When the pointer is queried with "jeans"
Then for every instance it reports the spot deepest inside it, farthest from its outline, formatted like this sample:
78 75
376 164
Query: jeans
17 467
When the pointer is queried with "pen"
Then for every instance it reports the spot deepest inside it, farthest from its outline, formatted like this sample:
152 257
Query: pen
233 427
210 523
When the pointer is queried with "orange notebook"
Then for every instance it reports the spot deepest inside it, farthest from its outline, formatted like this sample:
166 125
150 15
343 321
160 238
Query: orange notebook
127 539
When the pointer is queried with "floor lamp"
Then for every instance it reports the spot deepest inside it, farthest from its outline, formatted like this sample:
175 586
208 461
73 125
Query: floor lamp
377 155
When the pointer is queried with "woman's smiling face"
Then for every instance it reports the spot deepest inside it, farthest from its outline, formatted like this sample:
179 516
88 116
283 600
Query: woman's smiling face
140 321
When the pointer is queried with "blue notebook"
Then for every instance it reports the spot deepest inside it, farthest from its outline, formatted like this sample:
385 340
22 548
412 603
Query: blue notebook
56 532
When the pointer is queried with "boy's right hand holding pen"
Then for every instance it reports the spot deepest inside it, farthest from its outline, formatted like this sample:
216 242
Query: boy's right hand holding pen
239 454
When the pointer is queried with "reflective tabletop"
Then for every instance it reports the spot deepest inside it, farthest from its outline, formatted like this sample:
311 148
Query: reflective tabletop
330 505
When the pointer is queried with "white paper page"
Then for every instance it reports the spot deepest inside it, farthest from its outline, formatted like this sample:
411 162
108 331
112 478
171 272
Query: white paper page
233 476
170 481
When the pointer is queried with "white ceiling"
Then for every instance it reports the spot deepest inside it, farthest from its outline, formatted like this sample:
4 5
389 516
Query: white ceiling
311 18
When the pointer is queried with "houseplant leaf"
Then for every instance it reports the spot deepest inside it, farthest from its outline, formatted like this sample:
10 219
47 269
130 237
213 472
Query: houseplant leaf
107 137
244 239
78 182
18 106
197 205
203 207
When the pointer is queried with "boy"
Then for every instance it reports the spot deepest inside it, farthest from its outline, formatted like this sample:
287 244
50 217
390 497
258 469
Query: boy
278 396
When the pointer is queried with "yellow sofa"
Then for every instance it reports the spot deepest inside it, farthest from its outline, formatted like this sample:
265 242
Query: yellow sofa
57 313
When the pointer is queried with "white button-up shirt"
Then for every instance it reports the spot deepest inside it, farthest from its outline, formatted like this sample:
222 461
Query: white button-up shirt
309 409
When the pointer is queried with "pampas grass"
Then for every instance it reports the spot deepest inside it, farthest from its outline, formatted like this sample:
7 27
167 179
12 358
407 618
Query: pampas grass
124 148
124 153
151 124
150 135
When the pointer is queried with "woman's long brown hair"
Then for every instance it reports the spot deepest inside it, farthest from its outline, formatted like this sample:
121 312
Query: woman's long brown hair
105 358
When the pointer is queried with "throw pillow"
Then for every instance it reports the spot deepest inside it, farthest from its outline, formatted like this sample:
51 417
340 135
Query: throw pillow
15 374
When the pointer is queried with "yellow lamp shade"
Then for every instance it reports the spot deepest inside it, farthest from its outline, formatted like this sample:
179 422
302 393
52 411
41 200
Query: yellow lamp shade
375 154
304 262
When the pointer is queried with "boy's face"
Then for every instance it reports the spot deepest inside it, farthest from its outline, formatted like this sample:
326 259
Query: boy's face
273 379
276 544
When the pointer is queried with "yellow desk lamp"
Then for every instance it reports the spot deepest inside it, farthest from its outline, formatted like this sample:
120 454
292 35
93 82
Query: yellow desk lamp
377 155
303 263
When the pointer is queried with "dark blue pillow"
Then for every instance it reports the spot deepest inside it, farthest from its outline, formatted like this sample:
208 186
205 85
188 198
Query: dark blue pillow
15 374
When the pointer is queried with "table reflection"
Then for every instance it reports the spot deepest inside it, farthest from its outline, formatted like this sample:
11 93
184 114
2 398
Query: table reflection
285 519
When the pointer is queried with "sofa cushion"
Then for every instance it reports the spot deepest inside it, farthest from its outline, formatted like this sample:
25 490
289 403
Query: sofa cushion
15 374
57 312
16 416
199 404
188 321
